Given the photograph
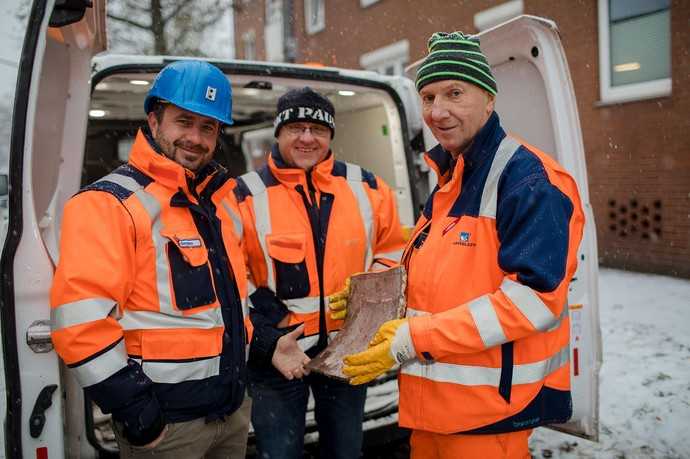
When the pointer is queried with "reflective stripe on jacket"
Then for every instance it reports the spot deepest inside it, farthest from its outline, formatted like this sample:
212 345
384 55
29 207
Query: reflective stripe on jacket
149 297
307 232
489 265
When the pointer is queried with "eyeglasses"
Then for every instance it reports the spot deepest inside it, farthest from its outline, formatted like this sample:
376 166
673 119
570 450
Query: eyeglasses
316 130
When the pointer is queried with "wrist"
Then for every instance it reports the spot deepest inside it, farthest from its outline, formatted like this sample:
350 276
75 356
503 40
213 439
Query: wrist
402 348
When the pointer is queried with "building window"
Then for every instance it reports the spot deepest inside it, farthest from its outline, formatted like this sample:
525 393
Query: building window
365 3
314 15
273 31
249 45
495 15
634 49
389 60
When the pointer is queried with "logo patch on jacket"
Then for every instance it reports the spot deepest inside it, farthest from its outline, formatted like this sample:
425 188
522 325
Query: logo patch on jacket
189 243
465 238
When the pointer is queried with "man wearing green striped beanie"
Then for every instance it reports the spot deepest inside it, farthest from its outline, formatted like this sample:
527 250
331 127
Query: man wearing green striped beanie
483 349
457 89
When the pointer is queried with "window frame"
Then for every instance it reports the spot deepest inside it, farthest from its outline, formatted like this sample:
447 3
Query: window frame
320 25
396 54
629 92
498 14
249 38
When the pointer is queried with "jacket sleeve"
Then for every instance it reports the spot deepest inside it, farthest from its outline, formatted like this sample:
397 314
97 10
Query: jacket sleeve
539 229
389 242
93 279
265 308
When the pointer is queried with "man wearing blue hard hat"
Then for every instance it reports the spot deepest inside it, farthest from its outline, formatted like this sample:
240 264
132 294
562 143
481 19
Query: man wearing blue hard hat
149 297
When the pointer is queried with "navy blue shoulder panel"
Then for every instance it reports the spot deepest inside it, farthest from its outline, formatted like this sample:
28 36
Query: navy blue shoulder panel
370 178
242 190
533 223
130 171
115 189
267 177
340 170
524 166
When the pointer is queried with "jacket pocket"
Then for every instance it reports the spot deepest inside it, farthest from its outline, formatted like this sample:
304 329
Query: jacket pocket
288 252
159 345
505 385
190 273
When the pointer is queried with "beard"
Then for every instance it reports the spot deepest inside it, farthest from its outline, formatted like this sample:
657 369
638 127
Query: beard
178 151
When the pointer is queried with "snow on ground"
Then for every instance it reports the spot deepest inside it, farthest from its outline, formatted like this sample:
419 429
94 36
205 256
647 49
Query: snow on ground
644 409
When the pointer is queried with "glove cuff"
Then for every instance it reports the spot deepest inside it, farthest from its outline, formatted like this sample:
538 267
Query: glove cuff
402 348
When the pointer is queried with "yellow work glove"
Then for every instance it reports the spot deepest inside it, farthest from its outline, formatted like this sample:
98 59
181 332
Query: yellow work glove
337 302
392 344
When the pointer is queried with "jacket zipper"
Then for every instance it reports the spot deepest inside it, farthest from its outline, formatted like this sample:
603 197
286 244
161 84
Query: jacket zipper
314 218
219 259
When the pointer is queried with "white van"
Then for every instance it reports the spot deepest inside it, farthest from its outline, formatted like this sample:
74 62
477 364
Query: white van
55 147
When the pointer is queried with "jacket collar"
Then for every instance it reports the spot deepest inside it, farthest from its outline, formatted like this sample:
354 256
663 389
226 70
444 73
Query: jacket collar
482 149
147 156
320 174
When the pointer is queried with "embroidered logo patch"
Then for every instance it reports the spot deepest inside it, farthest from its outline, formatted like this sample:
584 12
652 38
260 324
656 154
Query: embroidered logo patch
210 93
465 238
189 243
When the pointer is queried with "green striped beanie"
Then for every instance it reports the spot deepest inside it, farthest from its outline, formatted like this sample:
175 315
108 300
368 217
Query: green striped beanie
455 56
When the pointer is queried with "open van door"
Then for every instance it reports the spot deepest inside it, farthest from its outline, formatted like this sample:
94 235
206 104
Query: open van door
46 56
536 102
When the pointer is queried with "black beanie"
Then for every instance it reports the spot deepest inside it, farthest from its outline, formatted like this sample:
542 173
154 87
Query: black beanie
455 56
304 104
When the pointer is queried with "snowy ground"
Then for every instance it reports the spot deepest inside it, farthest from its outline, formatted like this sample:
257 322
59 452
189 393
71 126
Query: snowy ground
645 379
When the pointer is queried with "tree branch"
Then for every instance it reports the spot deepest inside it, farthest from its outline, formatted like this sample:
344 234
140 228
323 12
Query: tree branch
180 6
129 21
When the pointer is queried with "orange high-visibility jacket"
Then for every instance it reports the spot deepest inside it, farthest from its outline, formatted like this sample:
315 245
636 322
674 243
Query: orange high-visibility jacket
306 232
488 266
148 299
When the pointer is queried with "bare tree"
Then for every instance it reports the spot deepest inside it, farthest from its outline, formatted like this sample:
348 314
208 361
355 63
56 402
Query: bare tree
165 26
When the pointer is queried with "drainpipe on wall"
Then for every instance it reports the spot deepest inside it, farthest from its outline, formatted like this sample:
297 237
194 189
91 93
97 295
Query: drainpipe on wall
289 40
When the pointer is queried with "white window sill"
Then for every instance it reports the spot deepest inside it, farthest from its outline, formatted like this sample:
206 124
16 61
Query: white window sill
635 92
316 30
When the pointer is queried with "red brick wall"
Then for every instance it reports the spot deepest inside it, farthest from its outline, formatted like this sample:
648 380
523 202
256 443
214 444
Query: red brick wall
637 152
249 15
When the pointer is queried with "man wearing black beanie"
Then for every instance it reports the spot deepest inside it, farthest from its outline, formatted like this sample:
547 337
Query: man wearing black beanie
310 222
484 347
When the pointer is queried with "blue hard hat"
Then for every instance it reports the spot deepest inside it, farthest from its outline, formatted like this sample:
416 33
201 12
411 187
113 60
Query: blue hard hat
196 86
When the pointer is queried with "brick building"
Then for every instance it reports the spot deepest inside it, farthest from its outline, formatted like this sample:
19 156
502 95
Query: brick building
629 62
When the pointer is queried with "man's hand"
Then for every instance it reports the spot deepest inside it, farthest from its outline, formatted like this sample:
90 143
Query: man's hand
158 440
288 358
337 302
392 344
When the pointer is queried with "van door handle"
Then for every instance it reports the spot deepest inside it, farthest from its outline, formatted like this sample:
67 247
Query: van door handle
38 417
38 337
